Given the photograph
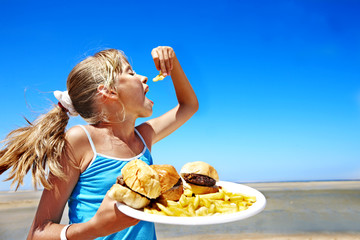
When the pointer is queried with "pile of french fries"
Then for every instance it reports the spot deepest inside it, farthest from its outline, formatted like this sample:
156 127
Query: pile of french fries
191 205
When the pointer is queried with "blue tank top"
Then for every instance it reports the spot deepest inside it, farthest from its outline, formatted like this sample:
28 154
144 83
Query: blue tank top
92 186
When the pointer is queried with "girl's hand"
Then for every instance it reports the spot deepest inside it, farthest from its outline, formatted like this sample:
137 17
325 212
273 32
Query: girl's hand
164 59
108 219
157 128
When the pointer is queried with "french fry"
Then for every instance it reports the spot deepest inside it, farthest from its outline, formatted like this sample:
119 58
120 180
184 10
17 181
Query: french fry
188 193
212 209
154 211
178 212
202 211
242 208
205 202
170 203
184 201
213 196
191 209
166 210
159 77
250 198
227 197
196 202
236 198
226 208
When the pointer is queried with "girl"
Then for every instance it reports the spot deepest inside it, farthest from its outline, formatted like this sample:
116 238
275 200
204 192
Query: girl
84 161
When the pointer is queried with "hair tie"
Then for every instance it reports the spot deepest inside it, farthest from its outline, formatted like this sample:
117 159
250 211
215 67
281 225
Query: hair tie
62 107
65 102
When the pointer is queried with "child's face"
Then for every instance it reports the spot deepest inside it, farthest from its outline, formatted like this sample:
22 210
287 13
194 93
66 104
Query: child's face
131 90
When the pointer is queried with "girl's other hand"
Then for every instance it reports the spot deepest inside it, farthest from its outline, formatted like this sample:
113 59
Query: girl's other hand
163 59
108 219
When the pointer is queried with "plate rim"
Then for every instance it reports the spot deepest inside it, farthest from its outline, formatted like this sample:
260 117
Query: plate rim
254 209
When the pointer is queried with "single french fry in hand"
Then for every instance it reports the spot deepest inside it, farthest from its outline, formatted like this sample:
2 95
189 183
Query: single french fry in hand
159 77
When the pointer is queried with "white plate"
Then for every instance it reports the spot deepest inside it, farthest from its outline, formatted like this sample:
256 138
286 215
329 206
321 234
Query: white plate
254 209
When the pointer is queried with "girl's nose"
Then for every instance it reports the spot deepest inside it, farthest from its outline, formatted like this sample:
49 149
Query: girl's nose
144 79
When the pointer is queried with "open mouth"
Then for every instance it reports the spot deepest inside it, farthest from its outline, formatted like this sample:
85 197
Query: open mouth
146 90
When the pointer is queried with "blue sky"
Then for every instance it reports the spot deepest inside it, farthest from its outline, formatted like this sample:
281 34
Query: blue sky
278 81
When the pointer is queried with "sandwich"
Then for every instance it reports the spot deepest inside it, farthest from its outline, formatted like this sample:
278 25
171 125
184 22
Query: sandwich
170 182
137 185
199 177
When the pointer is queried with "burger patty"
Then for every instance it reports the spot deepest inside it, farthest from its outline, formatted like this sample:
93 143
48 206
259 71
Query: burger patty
179 182
199 179
120 180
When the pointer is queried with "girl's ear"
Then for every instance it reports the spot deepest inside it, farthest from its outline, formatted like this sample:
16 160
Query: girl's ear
106 93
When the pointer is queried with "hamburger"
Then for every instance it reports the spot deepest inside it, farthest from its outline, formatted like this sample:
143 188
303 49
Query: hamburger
137 185
200 177
170 182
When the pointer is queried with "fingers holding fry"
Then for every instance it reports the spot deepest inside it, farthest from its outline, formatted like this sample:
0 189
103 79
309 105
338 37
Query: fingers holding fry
163 57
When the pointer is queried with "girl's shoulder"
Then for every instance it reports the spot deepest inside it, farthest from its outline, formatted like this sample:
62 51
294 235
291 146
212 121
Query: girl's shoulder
76 135
78 143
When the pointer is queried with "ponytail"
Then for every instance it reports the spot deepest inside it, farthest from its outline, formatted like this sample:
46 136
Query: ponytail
37 146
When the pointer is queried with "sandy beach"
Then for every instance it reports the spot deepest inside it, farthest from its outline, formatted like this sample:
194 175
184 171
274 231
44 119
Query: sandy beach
305 236
295 210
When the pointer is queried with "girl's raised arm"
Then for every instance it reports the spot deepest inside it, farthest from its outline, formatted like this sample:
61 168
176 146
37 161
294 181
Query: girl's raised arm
166 61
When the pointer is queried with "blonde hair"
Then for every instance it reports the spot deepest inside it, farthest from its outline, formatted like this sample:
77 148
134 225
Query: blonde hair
41 144
83 81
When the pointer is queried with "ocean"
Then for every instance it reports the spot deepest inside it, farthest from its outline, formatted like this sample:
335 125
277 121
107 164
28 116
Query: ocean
292 208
